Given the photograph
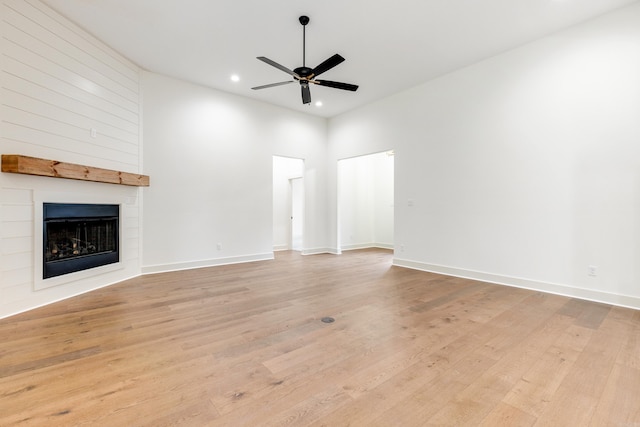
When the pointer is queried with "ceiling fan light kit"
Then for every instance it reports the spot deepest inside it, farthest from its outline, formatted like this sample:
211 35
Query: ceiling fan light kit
305 75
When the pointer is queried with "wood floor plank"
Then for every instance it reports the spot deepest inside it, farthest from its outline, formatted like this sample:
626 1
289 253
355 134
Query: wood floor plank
619 402
582 388
498 379
535 389
244 345
506 415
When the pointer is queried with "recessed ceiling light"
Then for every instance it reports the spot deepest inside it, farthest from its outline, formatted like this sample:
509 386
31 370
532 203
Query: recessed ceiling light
235 78
318 103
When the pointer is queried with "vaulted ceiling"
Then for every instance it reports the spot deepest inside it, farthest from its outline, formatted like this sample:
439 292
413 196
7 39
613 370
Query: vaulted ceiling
389 46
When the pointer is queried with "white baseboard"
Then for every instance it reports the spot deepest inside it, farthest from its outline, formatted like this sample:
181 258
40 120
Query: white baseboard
163 268
316 251
277 248
390 246
366 246
355 246
552 288
338 251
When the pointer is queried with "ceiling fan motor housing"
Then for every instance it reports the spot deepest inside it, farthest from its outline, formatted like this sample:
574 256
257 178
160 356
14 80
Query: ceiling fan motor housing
303 72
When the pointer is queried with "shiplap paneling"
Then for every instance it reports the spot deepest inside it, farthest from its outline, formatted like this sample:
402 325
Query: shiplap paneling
16 229
59 86
58 82
27 128
27 119
122 135
15 212
20 290
16 233
67 35
55 100
19 51
9 195
33 73
16 244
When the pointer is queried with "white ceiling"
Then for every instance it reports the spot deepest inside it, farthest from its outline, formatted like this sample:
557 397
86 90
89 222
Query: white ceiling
389 45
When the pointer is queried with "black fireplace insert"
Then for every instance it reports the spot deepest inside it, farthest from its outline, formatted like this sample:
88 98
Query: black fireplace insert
78 237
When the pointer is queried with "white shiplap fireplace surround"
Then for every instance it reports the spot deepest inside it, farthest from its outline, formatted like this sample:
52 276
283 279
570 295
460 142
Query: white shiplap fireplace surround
23 240
69 97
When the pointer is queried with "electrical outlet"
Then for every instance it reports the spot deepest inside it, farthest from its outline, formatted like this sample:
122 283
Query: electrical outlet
592 270
219 246
401 248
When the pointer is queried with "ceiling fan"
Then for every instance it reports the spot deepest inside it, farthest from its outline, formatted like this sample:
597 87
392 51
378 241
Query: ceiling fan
306 75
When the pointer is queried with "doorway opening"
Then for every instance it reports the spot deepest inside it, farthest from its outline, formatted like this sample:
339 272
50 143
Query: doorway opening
366 201
288 203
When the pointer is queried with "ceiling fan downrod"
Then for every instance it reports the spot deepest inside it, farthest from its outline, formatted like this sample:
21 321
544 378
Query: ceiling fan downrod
304 20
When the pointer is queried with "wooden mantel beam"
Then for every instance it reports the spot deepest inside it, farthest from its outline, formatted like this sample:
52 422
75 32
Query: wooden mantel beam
15 163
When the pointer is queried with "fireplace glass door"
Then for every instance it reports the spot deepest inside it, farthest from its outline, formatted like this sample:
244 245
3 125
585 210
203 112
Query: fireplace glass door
78 237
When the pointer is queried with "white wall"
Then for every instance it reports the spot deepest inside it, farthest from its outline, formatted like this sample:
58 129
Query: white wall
284 169
383 200
365 201
210 156
523 169
58 82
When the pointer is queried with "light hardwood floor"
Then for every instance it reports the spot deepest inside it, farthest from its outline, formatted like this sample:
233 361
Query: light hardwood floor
244 345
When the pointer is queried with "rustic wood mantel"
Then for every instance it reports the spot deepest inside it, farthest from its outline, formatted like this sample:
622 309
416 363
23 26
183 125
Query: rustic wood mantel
15 163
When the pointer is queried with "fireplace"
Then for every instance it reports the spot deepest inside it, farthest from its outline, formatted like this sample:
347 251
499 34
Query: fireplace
79 237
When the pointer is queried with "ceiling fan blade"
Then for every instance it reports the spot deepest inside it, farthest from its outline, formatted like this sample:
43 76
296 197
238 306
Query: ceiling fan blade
272 85
278 66
306 94
328 64
336 85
